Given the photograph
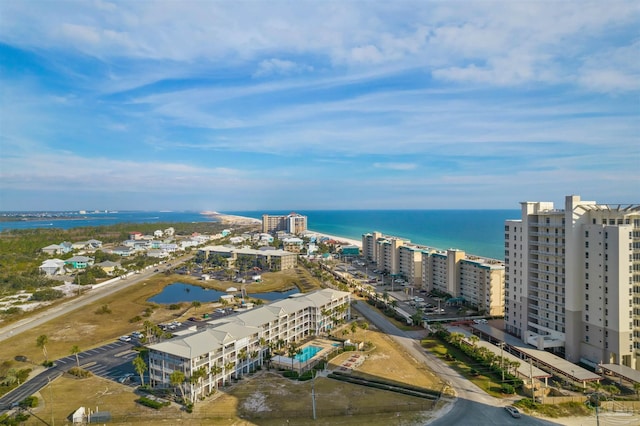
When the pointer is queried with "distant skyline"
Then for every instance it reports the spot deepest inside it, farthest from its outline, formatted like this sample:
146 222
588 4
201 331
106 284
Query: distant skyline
245 105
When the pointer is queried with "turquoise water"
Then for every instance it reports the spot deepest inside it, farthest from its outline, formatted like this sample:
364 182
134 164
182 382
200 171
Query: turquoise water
479 232
308 352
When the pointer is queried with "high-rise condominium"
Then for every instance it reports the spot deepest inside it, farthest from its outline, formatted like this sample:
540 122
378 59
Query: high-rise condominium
573 280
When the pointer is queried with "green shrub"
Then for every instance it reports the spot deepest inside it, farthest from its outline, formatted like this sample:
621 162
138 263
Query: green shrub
508 389
137 318
104 309
29 402
290 374
151 403
175 306
79 372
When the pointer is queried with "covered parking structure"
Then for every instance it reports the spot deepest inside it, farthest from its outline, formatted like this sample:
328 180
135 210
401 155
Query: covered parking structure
542 359
524 370
622 372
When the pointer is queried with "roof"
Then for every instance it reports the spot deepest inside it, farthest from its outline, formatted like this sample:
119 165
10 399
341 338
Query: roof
622 371
79 259
229 329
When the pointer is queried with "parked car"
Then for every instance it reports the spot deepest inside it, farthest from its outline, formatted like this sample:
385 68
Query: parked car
137 335
513 411
125 338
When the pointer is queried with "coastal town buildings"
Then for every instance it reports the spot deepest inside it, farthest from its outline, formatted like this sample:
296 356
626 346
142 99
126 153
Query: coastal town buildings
267 259
231 347
293 223
473 280
573 280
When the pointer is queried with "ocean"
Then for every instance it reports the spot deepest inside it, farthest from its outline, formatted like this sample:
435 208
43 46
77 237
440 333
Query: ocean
478 232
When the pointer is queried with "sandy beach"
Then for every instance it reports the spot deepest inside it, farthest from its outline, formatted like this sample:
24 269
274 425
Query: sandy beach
229 219
243 220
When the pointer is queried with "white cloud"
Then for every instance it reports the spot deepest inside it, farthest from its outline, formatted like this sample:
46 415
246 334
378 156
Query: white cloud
395 166
276 66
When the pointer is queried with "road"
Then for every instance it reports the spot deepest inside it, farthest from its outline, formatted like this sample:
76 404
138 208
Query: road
78 302
472 406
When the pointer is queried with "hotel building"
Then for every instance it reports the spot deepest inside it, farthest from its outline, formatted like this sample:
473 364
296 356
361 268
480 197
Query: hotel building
292 223
477 281
573 280
235 345
267 260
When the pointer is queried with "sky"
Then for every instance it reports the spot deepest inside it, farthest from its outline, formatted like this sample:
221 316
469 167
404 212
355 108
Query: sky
303 105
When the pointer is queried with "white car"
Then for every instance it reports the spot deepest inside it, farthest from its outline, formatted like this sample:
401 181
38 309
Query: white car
513 411
125 338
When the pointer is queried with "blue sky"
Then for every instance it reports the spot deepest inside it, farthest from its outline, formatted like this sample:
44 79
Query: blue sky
249 105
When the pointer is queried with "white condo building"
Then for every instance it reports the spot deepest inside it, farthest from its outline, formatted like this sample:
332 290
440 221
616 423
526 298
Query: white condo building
235 345
478 281
573 280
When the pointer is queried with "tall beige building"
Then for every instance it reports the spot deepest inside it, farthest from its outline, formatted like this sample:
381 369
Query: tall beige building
292 223
475 280
573 280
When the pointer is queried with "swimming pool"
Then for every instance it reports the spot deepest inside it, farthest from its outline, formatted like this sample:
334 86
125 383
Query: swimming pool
308 352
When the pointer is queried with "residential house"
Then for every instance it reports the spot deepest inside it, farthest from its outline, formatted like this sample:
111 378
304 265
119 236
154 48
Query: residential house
52 267
123 251
108 266
79 262
52 249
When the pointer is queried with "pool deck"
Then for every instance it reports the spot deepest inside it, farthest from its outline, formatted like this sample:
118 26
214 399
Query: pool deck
325 344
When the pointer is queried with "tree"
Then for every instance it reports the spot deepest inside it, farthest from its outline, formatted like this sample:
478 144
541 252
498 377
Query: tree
228 367
292 351
140 366
353 327
636 387
242 356
365 327
41 342
196 304
177 379
215 370
75 350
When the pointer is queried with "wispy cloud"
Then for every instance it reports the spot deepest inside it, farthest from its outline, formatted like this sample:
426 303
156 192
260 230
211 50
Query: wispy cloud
204 101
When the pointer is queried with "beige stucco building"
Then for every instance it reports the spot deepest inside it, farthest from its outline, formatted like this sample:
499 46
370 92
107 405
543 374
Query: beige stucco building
475 280
573 280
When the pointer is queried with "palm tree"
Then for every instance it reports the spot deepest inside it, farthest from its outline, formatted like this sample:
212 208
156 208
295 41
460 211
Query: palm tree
353 327
176 379
242 356
292 351
196 304
215 370
41 342
227 368
75 350
140 366
636 387
365 327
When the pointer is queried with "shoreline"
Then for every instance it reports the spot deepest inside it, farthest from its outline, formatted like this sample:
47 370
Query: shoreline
244 220
229 219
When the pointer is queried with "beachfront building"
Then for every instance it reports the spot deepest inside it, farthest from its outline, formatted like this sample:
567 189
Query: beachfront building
267 259
293 223
573 280
233 346
471 280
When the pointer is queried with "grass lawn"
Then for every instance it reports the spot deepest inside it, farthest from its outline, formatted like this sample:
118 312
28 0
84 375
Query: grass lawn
464 365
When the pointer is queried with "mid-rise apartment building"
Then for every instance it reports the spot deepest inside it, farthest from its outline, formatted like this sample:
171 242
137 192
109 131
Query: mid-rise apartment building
293 223
235 345
573 280
268 259
474 280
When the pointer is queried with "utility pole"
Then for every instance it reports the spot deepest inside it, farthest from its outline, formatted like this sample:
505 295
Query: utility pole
533 389
51 398
502 360
313 394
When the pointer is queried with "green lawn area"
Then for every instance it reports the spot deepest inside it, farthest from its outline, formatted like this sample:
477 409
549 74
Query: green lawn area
463 364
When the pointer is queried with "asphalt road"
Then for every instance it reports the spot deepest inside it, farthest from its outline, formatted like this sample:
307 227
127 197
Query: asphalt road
78 302
472 406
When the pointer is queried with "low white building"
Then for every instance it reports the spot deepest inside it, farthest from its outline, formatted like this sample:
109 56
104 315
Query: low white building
52 267
233 346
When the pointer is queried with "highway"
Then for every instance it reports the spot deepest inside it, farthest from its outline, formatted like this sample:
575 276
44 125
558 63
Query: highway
472 406
80 301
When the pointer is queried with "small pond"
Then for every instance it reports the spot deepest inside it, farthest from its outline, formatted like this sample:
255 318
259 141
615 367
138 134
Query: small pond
180 292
